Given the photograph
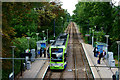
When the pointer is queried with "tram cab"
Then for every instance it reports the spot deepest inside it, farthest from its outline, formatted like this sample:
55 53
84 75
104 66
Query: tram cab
58 52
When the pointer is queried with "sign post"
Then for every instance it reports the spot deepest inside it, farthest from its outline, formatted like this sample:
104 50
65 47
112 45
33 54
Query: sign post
13 47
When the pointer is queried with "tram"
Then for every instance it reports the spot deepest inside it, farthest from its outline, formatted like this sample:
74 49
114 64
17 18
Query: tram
58 52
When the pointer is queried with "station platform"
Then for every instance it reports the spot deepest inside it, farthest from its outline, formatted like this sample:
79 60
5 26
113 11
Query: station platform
99 71
37 70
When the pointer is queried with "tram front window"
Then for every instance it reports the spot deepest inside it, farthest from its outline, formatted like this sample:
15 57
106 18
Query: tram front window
56 54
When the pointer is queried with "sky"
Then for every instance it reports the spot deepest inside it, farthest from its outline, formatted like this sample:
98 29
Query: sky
70 5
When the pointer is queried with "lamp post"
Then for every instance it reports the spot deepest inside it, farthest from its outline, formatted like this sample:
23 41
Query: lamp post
43 34
62 22
101 28
95 27
107 44
37 35
28 38
93 38
90 35
97 35
118 42
13 47
47 36
54 29
37 40
90 30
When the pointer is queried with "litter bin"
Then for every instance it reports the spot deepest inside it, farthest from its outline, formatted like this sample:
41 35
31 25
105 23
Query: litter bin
112 63
114 77
117 75
26 58
33 54
28 65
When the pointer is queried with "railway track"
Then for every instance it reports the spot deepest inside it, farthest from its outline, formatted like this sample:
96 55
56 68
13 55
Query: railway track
77 66
51 74
82 69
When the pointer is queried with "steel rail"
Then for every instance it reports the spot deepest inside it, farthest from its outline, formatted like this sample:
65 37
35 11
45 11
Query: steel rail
84 63
82 55
74 58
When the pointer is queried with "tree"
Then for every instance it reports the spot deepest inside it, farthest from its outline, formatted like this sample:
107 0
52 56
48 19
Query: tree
21 19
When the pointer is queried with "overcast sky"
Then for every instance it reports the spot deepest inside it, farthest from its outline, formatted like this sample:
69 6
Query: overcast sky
70 5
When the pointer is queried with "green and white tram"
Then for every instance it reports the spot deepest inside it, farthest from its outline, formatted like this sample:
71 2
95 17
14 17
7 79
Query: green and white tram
58 52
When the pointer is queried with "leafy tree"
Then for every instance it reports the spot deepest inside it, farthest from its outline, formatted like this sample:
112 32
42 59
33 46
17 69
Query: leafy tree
21 19
104 16
7 34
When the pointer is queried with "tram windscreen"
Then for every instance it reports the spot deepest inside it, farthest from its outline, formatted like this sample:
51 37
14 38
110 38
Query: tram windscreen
56 54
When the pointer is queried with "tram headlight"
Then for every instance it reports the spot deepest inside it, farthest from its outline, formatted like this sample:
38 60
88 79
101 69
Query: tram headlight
61 65
51 64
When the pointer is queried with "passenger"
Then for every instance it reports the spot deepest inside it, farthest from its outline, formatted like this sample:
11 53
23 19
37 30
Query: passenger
101 55
104 53
95 51
40 52
44 52
48 54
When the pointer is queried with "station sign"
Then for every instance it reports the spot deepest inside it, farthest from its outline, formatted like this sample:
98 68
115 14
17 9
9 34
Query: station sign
51 41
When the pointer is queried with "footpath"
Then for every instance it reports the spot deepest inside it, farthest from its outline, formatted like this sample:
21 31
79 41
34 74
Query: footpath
99 71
